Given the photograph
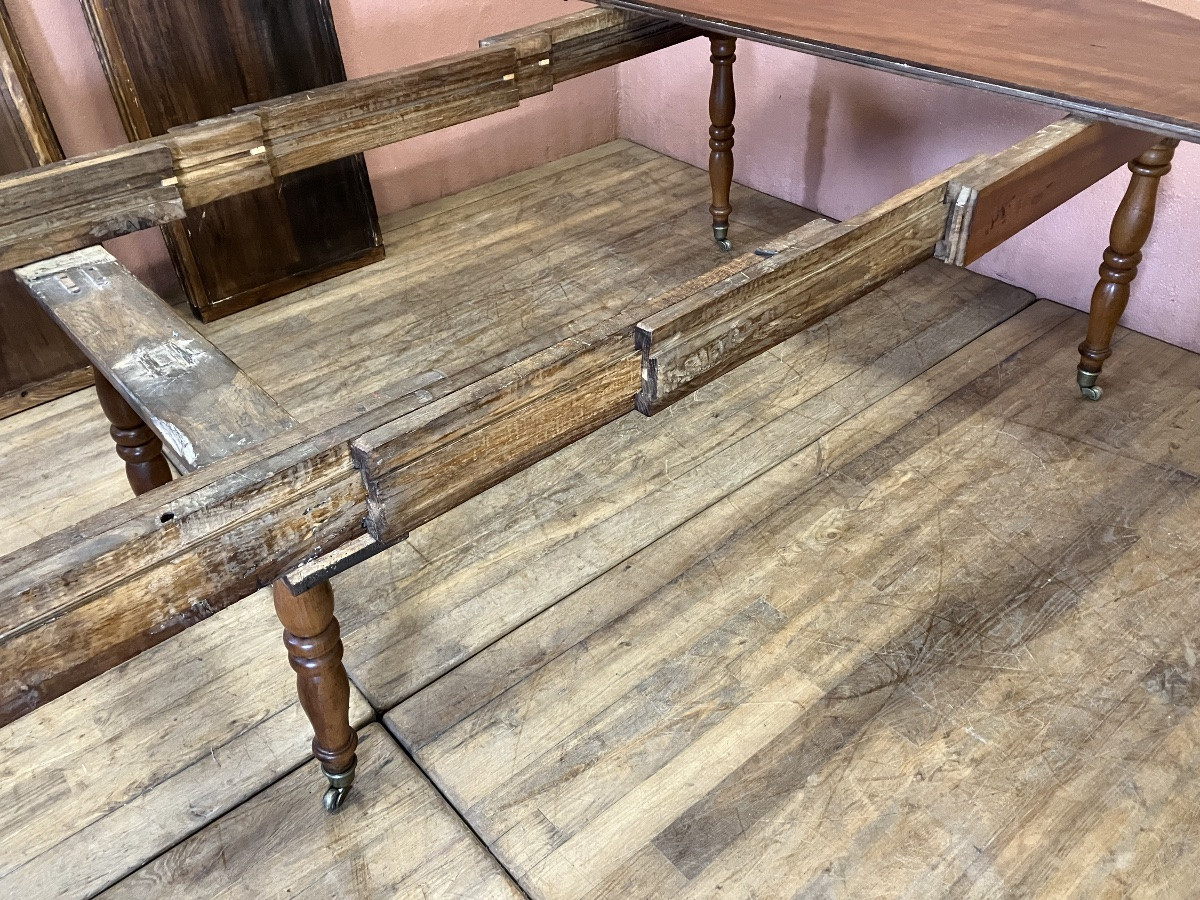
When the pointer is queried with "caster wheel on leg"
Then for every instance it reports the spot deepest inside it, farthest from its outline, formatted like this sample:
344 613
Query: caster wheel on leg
1087 385
339 787
721 233
725 245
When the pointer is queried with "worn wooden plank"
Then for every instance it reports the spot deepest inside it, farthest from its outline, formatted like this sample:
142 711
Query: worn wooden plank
303 130
78 202
1013 189
816 271
579 43
148 753
408 842
200 404
218 158
431 460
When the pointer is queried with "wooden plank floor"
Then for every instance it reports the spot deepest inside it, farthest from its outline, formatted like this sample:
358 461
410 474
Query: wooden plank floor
888 611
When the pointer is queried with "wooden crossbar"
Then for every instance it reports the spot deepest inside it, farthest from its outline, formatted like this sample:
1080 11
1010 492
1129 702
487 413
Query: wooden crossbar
88 597
78 203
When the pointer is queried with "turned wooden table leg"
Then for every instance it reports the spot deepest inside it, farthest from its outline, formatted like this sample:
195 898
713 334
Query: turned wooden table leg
1130 231
314 646
722 103
145 466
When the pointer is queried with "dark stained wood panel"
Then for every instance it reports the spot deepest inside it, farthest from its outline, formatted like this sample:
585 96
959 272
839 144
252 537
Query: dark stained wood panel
1131 61
170 65
37 362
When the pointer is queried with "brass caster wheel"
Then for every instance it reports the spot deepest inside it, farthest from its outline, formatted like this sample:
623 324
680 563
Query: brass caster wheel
1091 393
721 233
725 244
339 787
1088 386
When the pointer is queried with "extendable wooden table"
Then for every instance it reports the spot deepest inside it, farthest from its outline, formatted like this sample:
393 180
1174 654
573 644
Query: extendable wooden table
264 498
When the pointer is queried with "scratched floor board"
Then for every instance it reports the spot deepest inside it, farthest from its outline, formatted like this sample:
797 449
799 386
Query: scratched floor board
948 650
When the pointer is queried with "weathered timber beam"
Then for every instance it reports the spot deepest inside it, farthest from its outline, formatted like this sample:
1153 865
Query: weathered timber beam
814 272
333 122
428 462
583 42
1015 188
202 406
80 601
80 202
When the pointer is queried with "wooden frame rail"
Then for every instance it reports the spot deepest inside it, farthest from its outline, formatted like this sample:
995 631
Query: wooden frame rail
80 202
300 500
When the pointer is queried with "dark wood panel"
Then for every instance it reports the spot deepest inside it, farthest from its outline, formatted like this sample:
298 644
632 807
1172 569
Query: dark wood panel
173 65
1131 61
37 362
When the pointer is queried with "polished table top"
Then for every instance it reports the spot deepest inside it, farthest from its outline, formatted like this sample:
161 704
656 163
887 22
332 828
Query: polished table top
1136 62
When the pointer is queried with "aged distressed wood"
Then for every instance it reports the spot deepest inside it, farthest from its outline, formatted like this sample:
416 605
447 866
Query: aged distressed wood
852 674
815 271
148 753
37 362
79 202
170 67
336 121
189 393
1055 55
1015 188
407 842
218 158
578 43
1129 233
433 459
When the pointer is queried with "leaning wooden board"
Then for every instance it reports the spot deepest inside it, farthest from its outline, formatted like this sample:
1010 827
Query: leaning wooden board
37 362
1128 61
170 65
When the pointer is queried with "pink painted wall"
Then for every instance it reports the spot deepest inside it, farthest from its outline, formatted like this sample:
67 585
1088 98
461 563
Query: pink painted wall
375 35
839 139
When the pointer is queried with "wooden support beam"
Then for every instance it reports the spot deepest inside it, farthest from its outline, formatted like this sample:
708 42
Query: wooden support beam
1015 188
202 406
583 42
218 158
329 123
426 463
79 202
815 271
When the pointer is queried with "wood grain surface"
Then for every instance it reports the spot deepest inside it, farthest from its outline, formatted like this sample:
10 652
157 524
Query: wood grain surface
1130 61
942 650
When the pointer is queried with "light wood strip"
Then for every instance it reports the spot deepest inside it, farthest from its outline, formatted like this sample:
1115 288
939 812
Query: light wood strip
1015 188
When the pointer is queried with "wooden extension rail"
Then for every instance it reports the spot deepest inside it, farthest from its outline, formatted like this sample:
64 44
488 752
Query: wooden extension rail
278 498
80 202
